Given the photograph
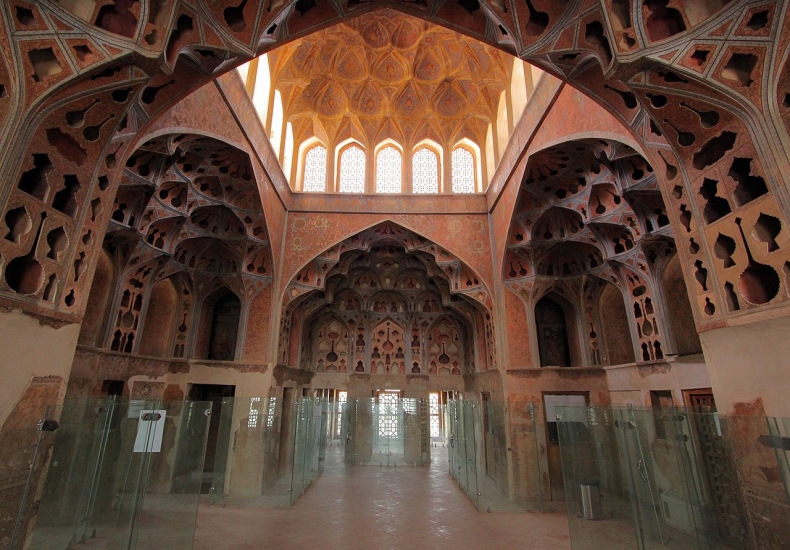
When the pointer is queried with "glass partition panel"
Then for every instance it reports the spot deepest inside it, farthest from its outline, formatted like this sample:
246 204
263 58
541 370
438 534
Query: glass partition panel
595 485
92 471
454 448
468 410
299 448
23 456
676 479
256 452
225 433
496 492
744 480
779 429
387 431
309 444
115 470
168 502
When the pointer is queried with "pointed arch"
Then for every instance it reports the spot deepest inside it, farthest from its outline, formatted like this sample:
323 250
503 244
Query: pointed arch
427 167
351 165
312 166
389 167
465 164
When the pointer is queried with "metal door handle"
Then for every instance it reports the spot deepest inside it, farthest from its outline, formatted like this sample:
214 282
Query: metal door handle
642 468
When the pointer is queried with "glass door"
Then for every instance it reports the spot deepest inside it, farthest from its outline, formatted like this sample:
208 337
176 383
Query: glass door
640 484
453 451
470 450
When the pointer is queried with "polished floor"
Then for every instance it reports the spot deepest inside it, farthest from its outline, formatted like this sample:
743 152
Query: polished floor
371 507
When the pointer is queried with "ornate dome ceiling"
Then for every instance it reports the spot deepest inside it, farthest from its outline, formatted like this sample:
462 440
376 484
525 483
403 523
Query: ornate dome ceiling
388 75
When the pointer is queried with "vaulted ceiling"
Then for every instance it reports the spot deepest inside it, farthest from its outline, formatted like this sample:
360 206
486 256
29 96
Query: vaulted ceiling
389 75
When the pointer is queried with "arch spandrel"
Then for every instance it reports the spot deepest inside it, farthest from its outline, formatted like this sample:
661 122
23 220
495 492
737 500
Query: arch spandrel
312 236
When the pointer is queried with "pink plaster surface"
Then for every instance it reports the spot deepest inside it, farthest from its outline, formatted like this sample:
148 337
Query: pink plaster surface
465 235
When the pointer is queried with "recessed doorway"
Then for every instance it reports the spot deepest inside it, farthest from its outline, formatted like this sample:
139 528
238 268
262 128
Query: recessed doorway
551 401
214 393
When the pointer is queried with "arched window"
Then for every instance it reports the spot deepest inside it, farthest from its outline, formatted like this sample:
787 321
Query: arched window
463 164
352 170
315 170
388 170
425 171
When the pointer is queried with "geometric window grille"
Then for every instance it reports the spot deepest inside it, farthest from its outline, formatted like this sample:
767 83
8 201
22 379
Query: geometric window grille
270 412
388 171
425 171
252 420
342 399
463 171
388 415
433 412
352 170
315 170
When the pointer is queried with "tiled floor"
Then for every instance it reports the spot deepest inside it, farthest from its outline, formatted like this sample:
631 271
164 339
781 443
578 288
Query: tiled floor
368 507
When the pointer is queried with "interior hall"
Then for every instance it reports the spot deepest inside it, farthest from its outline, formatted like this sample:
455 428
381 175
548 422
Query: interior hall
375 274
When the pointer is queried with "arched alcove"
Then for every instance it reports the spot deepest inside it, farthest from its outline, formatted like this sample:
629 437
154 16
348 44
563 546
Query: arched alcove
219 327
96 309
619 347
679 309
554 334
159 320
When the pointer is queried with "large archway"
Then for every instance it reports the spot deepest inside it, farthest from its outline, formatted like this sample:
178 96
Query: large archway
189 241
690 117
387 277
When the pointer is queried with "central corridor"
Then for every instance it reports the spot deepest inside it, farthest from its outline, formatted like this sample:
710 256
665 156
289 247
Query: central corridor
372 507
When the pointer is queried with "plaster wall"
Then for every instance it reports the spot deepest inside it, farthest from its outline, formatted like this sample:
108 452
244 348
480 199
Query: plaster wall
630 384
750 362
206 111
163 378
32 349
363 386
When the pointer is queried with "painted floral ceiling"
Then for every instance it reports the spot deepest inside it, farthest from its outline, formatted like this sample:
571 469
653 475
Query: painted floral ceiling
388 75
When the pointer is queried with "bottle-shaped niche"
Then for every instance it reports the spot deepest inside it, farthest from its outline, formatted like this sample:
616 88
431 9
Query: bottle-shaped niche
444 358
25 274
332 356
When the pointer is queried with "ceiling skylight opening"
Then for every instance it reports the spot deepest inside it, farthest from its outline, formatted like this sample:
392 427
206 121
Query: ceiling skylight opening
388 77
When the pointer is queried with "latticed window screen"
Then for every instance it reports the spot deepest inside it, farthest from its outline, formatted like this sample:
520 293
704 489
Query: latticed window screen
425 171
252 420
388 415
315 170
342 399
463 171
352 170
270 412
388 171
433 402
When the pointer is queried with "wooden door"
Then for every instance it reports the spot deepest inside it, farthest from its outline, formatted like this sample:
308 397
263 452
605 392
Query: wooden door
718 469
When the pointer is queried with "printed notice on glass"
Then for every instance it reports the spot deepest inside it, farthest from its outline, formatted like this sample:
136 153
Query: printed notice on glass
136 406
150 428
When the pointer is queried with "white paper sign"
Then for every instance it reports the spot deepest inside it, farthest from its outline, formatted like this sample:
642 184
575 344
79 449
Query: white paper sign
150 428
136 406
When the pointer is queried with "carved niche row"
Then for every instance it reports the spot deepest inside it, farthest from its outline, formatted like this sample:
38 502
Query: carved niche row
386 317
76 78
384 281
188 210
590 213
